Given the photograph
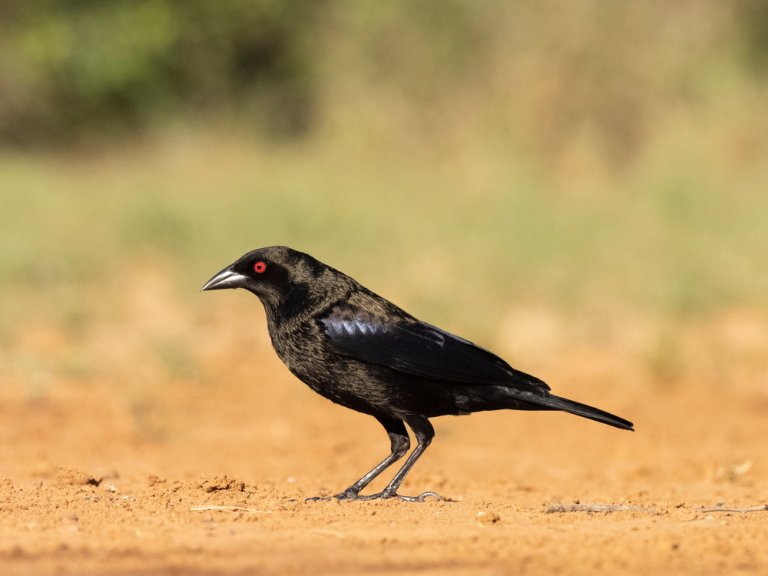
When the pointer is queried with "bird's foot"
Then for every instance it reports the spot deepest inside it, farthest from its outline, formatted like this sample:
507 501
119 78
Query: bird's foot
384 495
348 494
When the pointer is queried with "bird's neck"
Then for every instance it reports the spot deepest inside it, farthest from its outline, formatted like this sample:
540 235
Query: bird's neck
292 307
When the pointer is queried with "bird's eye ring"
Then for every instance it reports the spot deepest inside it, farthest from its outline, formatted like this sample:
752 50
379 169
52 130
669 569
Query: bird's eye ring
260 267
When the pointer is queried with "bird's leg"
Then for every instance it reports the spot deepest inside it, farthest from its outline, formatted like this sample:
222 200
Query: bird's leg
424 434
400 443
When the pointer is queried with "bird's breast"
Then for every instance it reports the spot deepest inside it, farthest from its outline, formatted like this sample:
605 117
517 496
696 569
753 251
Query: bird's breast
303 349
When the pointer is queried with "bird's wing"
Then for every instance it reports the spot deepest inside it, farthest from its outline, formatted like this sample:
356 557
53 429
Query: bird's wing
418 348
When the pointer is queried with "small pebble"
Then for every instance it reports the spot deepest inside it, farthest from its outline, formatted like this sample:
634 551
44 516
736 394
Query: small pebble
488 517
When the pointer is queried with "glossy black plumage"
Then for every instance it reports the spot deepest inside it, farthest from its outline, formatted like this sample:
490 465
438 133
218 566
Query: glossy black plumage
363 352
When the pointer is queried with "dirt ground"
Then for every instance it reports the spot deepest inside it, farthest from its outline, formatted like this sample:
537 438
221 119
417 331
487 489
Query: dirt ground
95 479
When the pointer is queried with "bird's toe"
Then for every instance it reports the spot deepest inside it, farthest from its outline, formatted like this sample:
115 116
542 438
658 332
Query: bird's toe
318 498
348 494
423 497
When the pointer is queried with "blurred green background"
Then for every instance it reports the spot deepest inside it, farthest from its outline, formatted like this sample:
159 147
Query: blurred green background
602 161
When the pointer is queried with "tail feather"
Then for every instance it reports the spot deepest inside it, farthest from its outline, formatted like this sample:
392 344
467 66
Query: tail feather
551 402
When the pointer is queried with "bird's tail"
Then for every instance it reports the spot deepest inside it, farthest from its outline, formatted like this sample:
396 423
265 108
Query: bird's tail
579 409
529 401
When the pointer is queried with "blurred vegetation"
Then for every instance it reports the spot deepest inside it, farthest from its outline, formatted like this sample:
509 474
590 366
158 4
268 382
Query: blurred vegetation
74 68
77 69
462 158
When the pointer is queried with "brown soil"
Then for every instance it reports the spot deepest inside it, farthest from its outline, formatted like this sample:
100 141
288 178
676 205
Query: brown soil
96 481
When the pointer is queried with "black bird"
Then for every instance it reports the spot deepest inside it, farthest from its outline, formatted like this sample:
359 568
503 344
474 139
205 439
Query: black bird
363 352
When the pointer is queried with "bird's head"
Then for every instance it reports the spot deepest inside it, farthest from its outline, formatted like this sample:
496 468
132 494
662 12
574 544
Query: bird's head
274 274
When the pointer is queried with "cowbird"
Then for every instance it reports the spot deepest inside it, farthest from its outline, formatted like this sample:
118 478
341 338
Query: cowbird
363 352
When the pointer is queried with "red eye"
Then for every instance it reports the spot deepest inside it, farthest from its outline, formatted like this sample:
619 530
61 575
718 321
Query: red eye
260 267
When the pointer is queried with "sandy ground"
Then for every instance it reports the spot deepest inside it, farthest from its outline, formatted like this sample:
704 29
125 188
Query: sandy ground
99 481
